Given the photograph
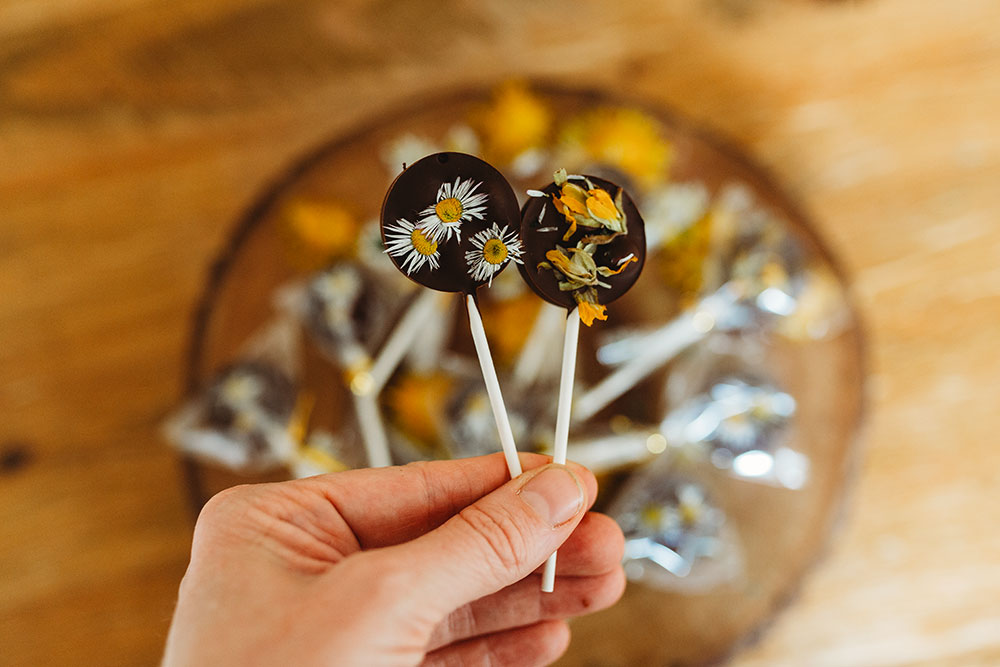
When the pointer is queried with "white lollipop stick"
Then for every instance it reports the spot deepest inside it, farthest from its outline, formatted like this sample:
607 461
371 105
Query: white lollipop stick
370 423
372 431
493 388
535 353
423 308
656 350
562 419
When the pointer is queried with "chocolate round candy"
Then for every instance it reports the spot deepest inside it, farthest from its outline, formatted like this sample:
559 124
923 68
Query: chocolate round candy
608 230
450 222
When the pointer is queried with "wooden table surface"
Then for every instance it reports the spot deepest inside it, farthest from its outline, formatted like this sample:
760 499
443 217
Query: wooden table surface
132 133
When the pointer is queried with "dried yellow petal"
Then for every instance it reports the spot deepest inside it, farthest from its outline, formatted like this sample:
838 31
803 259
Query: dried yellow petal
600 205
591 311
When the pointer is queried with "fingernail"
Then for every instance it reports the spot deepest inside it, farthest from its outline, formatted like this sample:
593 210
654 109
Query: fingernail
555 494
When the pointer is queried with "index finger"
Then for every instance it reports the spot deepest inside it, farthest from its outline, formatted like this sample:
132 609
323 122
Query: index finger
388 506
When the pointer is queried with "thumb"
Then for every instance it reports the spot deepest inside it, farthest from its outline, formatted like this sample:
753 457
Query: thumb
497 540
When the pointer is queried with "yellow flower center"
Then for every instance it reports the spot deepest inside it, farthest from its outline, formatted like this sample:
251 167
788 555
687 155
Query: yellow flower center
449 210
652 515
689 513
494 251
422 244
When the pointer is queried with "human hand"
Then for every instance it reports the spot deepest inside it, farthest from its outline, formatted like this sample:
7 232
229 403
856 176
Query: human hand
426 563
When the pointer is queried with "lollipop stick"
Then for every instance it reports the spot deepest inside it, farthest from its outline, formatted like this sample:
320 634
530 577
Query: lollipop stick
493 388
423 308
562 419
655 351
674 338
536 348
372 431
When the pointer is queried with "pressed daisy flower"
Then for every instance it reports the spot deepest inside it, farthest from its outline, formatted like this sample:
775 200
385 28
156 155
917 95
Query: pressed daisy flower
493 248
409 242
457 202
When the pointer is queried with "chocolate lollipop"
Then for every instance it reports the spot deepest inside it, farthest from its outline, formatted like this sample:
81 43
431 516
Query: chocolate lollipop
585 244
449 222
584 247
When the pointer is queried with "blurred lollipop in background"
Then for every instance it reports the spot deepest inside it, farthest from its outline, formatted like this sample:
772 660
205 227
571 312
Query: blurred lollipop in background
339 308
247 415
676 536
754 277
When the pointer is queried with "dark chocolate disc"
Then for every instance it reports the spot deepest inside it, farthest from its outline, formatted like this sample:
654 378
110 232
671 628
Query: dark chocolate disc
451 222
619 253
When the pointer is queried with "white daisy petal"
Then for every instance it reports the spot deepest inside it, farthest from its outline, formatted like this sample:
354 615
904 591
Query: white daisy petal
457 203
412 245
493 249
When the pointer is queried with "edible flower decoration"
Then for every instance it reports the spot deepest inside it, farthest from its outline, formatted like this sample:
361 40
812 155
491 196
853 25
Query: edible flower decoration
589 207
578 272
456 203
411 243
491 250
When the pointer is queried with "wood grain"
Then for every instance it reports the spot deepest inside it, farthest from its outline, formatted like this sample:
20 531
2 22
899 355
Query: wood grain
133 133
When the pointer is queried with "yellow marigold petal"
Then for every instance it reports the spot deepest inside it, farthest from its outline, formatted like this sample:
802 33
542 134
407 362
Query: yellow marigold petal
601 206
591 311
567 213
561 207
559 260
573 204
572 228
615 272
570 189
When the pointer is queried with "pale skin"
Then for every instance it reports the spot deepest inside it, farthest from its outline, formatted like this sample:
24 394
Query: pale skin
432 563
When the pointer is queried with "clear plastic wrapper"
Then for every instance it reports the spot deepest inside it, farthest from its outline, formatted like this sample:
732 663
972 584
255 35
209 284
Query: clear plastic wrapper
676 537
244 419
740 428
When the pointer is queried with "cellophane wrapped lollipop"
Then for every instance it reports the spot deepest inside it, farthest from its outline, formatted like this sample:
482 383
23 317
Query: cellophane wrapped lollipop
246 417
676 537
450 222
585 246
337 307
754 277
